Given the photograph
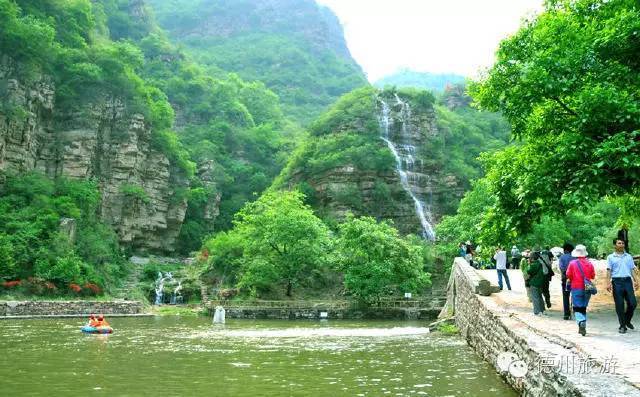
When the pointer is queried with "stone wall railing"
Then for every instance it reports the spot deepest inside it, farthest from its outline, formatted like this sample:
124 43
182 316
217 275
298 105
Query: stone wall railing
68 308
494 332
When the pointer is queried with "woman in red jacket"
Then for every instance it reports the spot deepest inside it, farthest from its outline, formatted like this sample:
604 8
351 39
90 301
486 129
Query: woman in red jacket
580 269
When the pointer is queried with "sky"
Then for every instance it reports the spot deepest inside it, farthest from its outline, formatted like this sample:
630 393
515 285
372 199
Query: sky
437 36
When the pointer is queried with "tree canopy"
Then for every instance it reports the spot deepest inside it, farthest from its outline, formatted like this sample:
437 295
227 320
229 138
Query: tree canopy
569 83
376 261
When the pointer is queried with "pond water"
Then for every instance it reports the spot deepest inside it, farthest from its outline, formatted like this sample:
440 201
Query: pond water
184 356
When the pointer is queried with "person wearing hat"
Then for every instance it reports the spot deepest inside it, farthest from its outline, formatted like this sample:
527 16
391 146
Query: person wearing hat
620 272
579 270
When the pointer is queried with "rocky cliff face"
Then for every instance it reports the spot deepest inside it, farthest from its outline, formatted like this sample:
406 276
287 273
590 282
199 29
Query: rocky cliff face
100 140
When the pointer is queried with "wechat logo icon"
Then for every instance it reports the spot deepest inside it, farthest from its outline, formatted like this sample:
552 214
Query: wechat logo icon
509 362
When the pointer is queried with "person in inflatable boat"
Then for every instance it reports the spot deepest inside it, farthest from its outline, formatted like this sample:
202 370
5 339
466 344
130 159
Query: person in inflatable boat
93 322
102 322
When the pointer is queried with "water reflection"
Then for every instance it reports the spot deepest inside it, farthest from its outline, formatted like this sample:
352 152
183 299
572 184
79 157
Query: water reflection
189 356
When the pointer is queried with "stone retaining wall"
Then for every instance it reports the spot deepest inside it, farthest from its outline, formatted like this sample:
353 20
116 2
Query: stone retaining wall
493 332
64 308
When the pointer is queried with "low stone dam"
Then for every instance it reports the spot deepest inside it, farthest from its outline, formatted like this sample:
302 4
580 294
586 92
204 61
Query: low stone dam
21 309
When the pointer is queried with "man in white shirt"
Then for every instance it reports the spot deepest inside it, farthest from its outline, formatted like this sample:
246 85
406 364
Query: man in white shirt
501 267
622 283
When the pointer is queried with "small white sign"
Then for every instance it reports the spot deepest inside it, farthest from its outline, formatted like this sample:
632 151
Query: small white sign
324 314
407 295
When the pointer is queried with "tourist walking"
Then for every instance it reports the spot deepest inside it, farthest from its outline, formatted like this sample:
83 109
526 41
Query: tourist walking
546 257
563 264
515 257
536 280
621 279
524 266
580 272
501 267
462 250
470 253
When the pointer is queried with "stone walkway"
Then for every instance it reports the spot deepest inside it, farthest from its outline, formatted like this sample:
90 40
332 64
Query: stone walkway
603 342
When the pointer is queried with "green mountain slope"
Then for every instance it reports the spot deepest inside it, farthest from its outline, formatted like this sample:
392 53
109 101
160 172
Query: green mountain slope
346 166
295 47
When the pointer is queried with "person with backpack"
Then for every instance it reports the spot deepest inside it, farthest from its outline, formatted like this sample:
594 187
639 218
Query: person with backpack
547 259
620 274
580 274
515 257
536 280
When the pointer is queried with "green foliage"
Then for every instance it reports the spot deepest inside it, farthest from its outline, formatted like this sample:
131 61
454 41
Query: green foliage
285 243
238 126
479 220
31 208
7 263
224 254
448 329
135 192
568 83
355 111
376 261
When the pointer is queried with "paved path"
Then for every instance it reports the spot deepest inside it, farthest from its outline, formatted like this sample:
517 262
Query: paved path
602 341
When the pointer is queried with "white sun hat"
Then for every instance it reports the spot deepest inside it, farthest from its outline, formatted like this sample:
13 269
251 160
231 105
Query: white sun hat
580 251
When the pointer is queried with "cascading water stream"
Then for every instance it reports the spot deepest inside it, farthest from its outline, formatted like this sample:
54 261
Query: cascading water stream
408 159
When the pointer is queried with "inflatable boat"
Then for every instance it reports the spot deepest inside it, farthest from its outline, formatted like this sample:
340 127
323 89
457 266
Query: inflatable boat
96 330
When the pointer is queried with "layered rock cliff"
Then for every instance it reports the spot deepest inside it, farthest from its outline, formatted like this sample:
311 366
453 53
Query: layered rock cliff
100 140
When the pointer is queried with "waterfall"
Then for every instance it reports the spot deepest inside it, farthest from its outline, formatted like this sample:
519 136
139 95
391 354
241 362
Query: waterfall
404 153
160 286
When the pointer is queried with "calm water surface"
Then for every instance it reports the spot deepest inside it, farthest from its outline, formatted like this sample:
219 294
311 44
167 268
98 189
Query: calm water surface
185 356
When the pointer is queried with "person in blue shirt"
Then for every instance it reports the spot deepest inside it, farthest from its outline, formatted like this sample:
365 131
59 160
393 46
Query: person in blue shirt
563 265
621 276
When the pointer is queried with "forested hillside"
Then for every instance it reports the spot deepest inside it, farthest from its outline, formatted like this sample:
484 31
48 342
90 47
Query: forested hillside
346 166
93 91
233 130
296 47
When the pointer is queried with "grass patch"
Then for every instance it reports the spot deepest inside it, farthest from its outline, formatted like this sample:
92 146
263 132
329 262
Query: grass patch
190 310
447 329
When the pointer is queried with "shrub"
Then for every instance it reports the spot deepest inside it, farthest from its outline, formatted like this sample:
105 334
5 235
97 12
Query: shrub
135 192
90 289
11 284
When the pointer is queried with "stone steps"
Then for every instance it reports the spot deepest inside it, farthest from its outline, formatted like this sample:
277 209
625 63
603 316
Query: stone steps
130 283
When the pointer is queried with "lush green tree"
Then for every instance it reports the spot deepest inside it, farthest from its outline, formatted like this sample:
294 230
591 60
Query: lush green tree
568 82
285 243
376 261
223 255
